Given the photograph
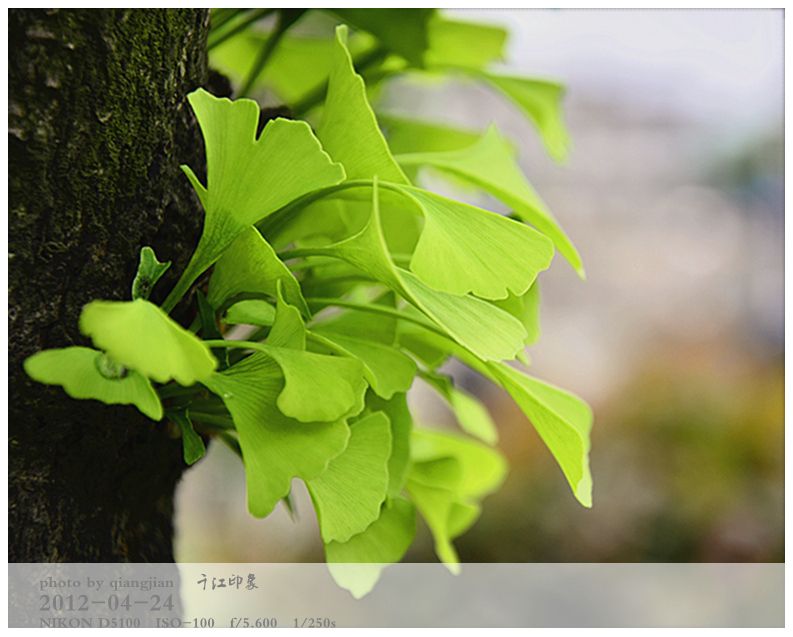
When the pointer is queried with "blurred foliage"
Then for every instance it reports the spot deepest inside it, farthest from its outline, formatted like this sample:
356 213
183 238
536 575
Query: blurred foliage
690 468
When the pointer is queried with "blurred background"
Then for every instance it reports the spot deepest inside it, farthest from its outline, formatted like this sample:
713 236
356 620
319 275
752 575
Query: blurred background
674 195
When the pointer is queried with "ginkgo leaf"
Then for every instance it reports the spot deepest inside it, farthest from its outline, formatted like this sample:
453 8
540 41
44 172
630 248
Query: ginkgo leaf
139 335
275 448
288 329
83 373
471 414
414 136
525 308
296 69
467 249
541 101
373 327
396 408
193 448
402 32
464 44
248 178
251 312
251 266
562 420
356 564
482 468
348 494
319 387
150 270
348 129
432 486
449 475
488 332
490 164
388 370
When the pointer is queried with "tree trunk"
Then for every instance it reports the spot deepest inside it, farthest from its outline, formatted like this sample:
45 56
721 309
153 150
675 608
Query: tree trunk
98 125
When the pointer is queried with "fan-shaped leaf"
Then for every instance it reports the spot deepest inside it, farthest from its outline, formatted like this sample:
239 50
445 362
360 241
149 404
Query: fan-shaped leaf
275 448
251 312
139 335
348 494
485 330
356 564
541 101
79 370
562 420
464 44
467 249
250 265
348 129
386 368
490 164
400 31
248 178
396 408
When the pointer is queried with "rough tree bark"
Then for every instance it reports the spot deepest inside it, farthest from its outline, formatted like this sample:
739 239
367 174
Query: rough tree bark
98 125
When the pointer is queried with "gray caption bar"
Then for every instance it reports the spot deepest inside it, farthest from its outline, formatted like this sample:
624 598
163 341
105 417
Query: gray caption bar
407 595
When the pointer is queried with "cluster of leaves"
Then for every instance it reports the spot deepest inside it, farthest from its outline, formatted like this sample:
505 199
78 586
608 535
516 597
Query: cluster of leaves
352 281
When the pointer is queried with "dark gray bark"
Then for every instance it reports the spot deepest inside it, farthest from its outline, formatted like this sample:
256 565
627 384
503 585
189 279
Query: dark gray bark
98 125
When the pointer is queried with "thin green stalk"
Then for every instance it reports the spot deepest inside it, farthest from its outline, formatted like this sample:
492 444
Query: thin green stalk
237 28
221 17
219 420
376 309
174 390
286 18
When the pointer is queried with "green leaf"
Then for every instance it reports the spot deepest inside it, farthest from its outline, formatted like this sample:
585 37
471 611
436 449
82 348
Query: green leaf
275 448
209 327
431 486
467 249
348 130
193 448
563 421
319 387
298 67
388 370
488 332
83 373
404 32
401 421
482 469
149 272
471 414
415 136
464 44
449 475
248 178
251 312
348 494
525 308
288 330
250 266
490 164
139 335
356 564
541 102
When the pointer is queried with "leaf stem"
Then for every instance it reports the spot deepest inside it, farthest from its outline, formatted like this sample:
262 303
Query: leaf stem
237 28
286 18
219 420
376 309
